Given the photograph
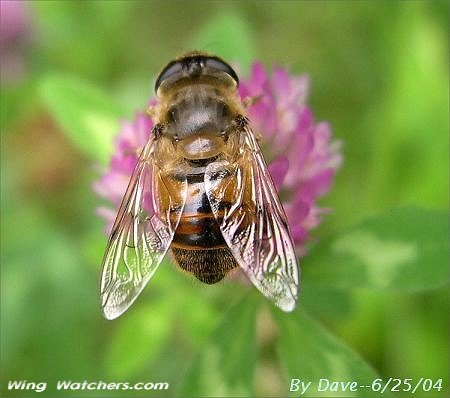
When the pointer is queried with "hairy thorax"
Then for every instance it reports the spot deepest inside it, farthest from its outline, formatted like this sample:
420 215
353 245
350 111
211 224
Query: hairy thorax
198 119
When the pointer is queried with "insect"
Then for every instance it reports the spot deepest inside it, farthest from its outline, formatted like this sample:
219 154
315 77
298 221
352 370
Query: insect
202 189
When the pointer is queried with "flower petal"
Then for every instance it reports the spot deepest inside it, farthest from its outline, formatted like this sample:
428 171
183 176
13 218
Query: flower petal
278 169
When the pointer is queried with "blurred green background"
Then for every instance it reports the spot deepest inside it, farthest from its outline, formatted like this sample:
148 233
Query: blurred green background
379 74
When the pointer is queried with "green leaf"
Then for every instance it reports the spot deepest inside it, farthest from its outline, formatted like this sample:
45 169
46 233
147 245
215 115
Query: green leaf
141 335
228 35
310 353
88 116
225 365
329 302
404 249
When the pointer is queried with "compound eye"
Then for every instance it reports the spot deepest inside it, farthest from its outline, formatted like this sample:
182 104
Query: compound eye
216 63
168 71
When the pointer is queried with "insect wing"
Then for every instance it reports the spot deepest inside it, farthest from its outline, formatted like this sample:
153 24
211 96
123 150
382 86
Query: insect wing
253 223
140 237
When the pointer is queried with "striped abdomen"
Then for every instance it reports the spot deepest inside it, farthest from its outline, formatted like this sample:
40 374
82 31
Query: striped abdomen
198 245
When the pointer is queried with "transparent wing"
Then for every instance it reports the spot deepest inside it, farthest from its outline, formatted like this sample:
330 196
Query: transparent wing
253 223
141 234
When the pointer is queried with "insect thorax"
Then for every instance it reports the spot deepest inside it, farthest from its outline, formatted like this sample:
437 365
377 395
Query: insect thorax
198 110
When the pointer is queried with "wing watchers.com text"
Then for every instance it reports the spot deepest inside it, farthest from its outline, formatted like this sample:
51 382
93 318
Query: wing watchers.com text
62 385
